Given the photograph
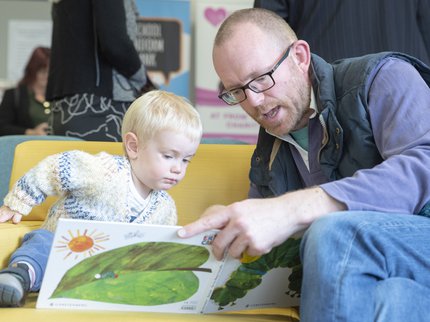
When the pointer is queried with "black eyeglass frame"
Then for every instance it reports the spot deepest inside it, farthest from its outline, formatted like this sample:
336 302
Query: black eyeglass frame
246 86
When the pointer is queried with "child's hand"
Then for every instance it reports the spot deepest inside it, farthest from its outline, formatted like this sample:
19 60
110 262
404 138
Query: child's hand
6 214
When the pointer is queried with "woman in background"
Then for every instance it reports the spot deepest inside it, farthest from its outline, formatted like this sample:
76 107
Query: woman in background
95 70
23 109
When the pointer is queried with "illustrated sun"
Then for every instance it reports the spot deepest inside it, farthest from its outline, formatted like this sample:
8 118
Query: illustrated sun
85 244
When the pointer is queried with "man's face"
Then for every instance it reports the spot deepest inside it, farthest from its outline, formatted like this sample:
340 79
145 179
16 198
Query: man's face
248 54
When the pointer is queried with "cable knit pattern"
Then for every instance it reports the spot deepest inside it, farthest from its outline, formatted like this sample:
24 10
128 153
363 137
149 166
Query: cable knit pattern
91 187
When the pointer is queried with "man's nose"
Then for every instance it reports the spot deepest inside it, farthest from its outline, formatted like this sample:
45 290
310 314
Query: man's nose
255 99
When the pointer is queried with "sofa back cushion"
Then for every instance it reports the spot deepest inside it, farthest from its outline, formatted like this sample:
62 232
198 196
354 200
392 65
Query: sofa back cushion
218 174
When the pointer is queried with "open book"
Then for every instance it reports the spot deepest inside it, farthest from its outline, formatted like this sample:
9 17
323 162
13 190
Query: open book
117 266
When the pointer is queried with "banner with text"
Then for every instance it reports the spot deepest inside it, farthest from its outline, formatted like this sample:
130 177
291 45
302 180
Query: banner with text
220 121
164 43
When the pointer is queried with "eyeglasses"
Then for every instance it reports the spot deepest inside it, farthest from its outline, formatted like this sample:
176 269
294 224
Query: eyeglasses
257 85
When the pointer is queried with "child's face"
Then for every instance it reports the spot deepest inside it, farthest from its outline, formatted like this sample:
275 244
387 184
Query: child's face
162 162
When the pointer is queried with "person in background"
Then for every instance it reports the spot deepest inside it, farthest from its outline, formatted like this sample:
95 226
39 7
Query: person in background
161 133
343 154
23 109
95 70
338 29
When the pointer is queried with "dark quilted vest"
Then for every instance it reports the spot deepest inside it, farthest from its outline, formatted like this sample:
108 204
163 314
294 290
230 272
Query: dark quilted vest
341 91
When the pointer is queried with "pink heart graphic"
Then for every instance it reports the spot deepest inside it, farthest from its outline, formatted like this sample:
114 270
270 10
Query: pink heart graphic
215 16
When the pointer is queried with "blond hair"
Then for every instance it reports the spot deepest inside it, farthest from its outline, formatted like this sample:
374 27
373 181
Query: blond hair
160 110
270 23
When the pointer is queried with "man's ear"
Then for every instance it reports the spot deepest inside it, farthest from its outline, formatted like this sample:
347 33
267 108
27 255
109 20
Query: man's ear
302 55
131 144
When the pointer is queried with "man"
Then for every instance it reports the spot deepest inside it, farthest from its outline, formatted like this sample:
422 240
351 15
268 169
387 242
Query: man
351 137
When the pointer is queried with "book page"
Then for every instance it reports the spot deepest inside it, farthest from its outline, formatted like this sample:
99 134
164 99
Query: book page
271 280
131 267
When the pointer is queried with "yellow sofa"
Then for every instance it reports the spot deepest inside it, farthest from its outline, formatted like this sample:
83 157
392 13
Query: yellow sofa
218 174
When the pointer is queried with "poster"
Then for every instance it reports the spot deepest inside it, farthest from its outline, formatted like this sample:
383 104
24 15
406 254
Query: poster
164 43
220 121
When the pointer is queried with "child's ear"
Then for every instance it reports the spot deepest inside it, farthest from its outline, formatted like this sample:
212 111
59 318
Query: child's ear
131 144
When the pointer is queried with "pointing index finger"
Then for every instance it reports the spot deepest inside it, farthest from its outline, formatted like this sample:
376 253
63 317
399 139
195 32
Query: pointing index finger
212 219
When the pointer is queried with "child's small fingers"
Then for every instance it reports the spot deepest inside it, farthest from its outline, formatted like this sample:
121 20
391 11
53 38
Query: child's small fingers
16 218
5 216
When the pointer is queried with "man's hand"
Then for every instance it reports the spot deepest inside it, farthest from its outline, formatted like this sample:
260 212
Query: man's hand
252 225
6 214
258 225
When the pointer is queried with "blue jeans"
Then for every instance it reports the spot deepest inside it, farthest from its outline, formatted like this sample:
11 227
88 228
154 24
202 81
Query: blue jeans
366 266
34 250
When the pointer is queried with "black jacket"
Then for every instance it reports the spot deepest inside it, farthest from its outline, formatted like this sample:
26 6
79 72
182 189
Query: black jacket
14 112
348 28
89 39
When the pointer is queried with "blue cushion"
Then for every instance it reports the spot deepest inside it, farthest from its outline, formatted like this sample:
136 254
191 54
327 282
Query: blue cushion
7 150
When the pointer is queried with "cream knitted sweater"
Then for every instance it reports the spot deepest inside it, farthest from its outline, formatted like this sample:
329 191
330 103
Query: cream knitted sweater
92 187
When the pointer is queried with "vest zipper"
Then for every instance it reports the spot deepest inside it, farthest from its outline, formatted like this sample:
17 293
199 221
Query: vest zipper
325 136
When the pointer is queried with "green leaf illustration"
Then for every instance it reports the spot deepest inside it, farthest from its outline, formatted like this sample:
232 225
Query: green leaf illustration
149 273
249 274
